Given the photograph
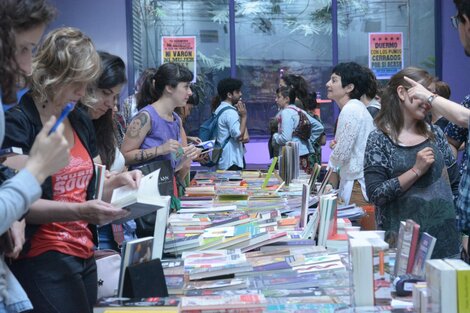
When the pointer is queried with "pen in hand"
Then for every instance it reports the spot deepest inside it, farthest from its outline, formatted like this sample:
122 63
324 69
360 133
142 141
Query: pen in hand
65 112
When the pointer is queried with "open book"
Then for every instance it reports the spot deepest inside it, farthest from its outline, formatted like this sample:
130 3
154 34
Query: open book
141 201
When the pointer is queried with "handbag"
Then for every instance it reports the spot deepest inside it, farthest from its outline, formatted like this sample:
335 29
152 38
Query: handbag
108 265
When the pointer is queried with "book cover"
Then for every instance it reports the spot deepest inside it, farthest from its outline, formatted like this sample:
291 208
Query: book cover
398 259
100 171
134 251
423 253
413 245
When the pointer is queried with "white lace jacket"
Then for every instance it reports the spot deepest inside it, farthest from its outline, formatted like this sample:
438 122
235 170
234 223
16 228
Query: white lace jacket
354 125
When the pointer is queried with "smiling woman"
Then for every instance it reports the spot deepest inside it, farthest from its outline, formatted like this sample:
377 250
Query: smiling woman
408 165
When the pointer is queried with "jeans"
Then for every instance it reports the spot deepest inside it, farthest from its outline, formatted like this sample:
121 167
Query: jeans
58 283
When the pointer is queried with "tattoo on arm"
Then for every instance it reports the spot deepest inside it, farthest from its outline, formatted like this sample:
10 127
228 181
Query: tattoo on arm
143 155
137 124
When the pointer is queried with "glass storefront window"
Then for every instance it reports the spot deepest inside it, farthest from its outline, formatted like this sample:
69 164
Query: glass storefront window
358 18
274 36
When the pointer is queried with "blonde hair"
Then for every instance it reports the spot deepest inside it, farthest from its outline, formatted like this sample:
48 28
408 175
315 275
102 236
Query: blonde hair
66 56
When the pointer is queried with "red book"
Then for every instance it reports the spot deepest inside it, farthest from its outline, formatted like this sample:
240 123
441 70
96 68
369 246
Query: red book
413 246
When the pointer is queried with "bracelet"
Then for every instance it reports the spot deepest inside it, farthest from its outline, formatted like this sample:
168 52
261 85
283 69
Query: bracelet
416 171
431 99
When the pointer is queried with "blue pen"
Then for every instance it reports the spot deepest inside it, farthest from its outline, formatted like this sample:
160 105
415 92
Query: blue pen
65 112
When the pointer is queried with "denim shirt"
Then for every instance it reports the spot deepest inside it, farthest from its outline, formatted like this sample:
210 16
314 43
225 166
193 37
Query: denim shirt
228 125
16 196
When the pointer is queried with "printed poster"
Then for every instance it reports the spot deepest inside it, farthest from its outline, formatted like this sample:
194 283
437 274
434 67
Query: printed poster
385 54
180 49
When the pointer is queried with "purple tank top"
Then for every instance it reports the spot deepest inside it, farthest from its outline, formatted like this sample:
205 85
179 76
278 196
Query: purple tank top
161 131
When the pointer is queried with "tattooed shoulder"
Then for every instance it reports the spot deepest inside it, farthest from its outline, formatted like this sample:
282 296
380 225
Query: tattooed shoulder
137 124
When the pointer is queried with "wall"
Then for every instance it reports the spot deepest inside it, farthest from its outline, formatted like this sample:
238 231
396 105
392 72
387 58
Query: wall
104 21
455 65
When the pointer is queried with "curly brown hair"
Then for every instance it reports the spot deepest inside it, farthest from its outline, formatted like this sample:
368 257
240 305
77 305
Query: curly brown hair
18 16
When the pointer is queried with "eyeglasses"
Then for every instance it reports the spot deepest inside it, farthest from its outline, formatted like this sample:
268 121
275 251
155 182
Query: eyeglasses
455 20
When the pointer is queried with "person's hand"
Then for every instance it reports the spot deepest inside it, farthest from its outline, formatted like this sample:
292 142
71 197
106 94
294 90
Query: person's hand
203 158
168 147
118 179
17 234
241 108
191 152
424 160
418 91
99 212
195 140
49 153
332 144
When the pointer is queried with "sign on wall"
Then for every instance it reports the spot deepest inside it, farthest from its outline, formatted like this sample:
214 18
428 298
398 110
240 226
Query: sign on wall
385 54
180 49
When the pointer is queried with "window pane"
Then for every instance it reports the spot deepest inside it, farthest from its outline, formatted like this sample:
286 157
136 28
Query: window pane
208 21
358 18
294 36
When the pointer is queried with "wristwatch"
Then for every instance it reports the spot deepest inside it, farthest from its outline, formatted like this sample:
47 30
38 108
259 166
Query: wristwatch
431 99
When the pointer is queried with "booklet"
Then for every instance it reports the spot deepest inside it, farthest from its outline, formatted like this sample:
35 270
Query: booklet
141 201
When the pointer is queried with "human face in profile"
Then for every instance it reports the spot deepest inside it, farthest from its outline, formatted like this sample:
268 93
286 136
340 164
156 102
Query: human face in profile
336 91
236 96
282 101
181 93
26 42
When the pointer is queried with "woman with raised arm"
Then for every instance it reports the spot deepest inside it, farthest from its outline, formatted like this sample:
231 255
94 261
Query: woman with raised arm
409 169
22 23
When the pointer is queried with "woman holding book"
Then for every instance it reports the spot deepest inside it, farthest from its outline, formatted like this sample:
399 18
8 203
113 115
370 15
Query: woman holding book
156 132
102 113
409 169
56 267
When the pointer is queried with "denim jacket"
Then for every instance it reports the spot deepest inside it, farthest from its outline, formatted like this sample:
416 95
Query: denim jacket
16 300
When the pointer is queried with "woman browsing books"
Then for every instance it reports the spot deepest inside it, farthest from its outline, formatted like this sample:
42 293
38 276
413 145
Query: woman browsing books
102 113
409 169
156 132
57 268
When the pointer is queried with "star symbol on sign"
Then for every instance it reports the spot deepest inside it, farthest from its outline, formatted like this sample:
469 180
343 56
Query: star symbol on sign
100 282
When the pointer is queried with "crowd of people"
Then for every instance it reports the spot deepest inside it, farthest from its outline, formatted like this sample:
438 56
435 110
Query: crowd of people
393 147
